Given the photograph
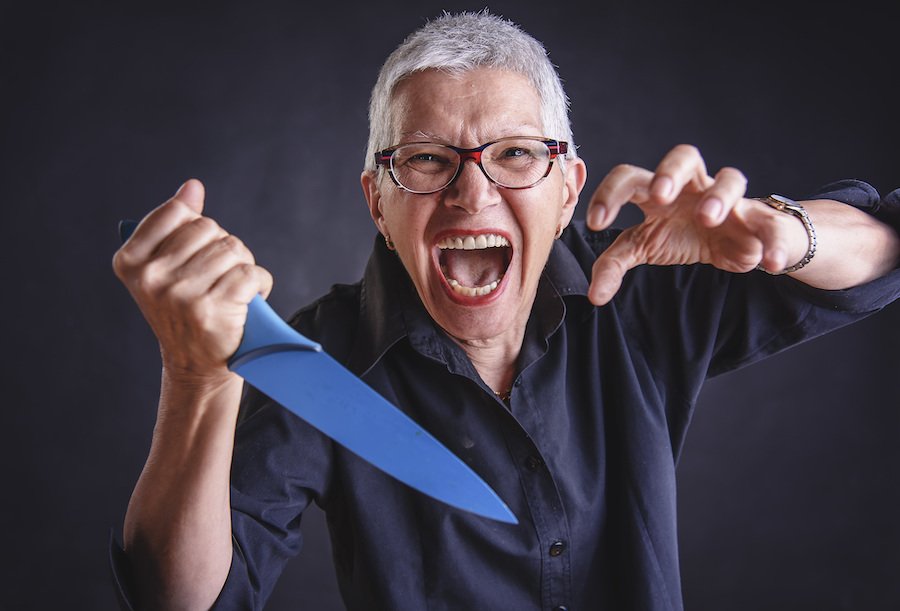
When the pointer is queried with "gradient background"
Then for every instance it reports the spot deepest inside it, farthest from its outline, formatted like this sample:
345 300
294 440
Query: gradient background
789 481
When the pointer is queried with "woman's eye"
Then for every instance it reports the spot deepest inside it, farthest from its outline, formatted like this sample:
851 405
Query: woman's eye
424 157
514 152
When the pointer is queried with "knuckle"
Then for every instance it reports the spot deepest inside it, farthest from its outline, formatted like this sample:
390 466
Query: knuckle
742 265
233 244
151 278
732 174
178 208
682 158
622 170
122 262
245 270
687 150
239 275
180 205
180 299
255 274
173 290
205 225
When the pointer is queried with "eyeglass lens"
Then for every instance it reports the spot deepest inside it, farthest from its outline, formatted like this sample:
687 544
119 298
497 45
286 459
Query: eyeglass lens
512 162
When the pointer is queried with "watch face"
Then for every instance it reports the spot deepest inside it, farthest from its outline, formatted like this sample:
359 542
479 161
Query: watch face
784 201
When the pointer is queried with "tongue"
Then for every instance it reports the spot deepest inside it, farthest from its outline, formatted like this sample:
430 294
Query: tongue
474 268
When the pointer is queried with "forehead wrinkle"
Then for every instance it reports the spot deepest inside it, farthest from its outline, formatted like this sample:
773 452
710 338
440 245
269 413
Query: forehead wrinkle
420 134
524 129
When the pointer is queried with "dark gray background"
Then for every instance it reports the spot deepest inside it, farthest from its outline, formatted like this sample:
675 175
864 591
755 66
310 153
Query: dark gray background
789 493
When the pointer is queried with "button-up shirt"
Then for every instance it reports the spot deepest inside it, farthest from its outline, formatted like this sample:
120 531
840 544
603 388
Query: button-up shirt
584 451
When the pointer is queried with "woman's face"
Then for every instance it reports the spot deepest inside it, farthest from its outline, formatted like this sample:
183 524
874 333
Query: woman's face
485 291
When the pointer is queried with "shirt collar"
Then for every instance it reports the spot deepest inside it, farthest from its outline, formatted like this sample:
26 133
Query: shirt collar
390 308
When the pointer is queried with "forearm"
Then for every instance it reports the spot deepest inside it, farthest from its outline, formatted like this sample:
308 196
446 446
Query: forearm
178 524
853 247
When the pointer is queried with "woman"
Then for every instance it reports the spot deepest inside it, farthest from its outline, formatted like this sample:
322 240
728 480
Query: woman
521 344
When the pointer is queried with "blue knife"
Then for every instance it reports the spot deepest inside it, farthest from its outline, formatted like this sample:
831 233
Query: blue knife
295 371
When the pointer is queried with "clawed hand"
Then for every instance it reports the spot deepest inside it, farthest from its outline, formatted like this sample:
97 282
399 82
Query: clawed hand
689 217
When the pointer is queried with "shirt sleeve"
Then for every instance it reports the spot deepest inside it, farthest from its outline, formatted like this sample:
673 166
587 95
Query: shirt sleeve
120 570
280 465
696 321
693 322
862 195
765 314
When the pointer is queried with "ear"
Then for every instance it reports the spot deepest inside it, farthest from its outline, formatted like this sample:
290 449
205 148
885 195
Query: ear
575 177
369 181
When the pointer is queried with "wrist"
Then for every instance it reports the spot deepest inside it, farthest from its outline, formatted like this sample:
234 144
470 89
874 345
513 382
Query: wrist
201 377
806 242
191 396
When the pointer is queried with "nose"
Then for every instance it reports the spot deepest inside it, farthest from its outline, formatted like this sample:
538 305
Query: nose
472 191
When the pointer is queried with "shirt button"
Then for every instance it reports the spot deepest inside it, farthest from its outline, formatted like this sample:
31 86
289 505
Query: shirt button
561 608
557 548
533 463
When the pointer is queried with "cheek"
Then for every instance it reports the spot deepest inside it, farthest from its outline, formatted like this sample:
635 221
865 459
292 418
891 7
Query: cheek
408 234
539 219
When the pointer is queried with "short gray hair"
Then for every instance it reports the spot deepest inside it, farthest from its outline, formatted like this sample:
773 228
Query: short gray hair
462 42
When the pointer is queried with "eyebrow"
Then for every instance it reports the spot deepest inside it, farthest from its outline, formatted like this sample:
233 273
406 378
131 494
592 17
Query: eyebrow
517 131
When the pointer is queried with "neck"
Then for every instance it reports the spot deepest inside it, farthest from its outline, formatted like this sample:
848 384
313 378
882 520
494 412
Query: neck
495 358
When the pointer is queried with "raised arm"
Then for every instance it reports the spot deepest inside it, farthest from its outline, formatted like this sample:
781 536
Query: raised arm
192 281
691 217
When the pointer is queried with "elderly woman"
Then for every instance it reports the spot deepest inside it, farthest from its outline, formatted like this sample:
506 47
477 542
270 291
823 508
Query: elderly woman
512 334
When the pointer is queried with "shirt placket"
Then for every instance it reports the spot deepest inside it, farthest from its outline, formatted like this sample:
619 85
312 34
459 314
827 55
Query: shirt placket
543 500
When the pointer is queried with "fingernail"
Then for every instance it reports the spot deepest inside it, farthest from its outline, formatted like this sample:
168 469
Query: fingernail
662 186
712 208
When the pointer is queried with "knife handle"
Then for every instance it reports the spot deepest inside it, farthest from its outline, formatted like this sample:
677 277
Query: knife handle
264 330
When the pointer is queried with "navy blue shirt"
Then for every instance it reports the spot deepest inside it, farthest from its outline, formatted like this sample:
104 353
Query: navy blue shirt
584 453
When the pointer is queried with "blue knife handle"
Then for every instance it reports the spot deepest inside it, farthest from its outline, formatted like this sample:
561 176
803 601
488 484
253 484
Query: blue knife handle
264 330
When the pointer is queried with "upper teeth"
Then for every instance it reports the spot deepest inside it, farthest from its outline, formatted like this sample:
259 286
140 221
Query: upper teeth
485 240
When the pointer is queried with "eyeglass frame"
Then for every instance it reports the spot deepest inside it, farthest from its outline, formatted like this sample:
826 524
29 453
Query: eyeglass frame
556 148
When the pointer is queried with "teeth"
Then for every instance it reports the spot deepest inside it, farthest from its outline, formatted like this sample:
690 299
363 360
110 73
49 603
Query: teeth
482 241
469 242
473 291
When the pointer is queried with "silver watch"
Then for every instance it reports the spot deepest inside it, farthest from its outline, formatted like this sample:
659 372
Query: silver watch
789 206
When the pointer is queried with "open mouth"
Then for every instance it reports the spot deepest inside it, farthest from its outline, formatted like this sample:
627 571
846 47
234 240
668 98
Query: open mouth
474 265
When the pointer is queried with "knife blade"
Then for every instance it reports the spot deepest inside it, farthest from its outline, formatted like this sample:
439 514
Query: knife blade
297 373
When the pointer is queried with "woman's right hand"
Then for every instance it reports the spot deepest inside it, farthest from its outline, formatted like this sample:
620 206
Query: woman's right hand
192 281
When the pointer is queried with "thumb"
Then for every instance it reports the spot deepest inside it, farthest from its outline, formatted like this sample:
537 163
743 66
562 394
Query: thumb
191 193
611 266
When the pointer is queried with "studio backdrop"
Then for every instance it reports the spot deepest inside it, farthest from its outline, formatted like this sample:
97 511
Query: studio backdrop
788 494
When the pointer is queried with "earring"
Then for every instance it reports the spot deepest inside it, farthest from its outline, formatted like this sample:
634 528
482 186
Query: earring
388 242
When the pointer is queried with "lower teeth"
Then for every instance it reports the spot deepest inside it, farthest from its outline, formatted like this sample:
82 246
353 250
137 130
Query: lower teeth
473 291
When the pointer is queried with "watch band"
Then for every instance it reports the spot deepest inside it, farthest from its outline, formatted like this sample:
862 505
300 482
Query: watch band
789 206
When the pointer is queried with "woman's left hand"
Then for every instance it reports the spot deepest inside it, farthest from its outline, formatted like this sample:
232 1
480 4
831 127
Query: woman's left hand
689 217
